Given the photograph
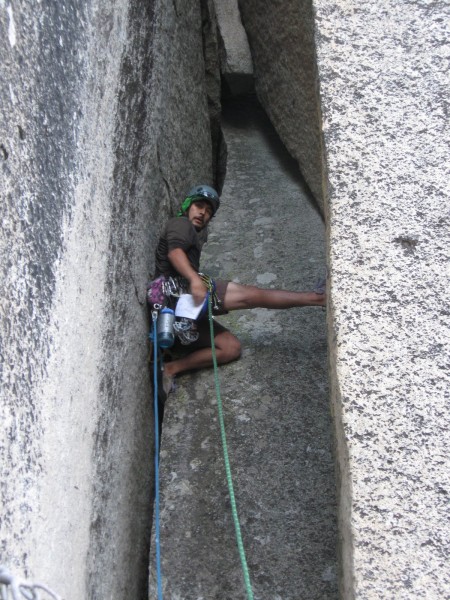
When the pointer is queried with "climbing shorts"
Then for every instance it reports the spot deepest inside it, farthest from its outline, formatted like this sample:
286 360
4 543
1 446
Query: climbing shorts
204 337
201 326
189 335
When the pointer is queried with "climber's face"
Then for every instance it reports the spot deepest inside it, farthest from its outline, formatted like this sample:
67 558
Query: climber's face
200 213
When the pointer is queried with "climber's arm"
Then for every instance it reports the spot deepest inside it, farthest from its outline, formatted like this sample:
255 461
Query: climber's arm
181 264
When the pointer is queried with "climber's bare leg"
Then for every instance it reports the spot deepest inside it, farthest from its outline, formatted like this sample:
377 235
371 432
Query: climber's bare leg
239 296
228 348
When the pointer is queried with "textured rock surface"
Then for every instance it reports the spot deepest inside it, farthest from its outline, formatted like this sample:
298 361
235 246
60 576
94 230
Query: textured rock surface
213 89
235 57
384 86
105 123
281 36
99 115
275 402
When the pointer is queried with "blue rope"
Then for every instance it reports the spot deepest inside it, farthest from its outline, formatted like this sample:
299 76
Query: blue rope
154 337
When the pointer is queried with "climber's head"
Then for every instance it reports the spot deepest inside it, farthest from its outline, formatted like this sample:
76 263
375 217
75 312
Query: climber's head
200 195
200 214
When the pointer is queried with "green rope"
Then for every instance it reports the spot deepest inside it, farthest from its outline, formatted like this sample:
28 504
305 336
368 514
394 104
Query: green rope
237 527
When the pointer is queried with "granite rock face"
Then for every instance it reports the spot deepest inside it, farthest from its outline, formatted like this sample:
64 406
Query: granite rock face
236 63
281 37
105 124
359 95
110 112
384 82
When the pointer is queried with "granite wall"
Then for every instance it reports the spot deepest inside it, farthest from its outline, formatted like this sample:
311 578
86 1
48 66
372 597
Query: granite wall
105 123
383 76
109 113
281 37
236 64
359 95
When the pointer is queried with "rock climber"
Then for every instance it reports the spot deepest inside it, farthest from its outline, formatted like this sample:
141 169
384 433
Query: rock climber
177 265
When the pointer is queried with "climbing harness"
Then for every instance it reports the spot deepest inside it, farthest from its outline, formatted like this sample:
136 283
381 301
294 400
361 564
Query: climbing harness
154 339
164 292
237 526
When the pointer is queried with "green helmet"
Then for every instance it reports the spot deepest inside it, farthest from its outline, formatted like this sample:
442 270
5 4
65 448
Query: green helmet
200 192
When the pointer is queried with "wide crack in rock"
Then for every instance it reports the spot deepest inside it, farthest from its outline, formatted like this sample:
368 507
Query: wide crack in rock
267 232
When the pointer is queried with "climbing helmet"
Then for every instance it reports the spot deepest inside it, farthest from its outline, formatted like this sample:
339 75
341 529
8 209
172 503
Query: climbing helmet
201 192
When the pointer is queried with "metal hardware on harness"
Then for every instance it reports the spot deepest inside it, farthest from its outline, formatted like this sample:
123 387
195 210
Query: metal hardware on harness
156 309
175 286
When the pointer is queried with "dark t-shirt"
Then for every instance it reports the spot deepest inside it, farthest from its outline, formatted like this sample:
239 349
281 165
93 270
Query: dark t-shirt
178 233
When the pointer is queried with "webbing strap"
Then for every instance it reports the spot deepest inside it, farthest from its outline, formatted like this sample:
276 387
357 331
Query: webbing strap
154 337
237 527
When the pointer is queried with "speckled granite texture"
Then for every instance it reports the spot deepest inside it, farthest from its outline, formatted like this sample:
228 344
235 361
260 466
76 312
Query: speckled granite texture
281 36
98 116
235 58
383 72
